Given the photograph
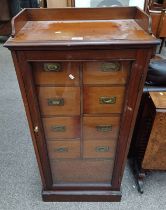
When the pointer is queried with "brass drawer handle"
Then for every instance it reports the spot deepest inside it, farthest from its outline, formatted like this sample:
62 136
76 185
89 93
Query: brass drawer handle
61 149
58 128
56 67
104 128
55 101
102 149
110 66
107 100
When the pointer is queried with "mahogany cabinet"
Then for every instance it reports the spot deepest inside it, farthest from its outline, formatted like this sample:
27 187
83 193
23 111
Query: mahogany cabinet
81 74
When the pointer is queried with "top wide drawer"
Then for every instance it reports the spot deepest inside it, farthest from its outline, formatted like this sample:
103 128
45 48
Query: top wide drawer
56 73
113 72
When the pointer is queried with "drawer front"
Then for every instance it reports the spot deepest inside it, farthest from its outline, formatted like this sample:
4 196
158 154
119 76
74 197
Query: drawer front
99 149
59 100
103 99
63 149
82 171
101 127
62 127
56 73
113 72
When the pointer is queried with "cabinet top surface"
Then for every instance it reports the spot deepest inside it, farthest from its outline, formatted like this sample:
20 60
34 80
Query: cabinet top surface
81 26
159 99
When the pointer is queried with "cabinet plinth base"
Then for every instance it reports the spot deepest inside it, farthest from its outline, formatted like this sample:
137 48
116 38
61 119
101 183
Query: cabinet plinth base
82 196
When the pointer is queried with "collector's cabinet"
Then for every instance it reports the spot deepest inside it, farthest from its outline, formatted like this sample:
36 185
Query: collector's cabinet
81 73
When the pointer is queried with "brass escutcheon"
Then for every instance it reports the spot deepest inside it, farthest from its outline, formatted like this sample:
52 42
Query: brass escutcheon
56 67
104 128
61 149
102 149
107 100
55 101
58 128
110 66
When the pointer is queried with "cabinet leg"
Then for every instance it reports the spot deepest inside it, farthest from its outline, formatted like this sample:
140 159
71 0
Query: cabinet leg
139 175
162 44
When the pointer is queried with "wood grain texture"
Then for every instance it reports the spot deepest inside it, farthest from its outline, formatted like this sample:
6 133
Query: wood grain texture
156 149
92 97
93 73
94 149
102 26
158 23
70 95
90 171
93 30
71 127
143 20
43 77
63 149
19 21
72 177
159 99
88 196
91 132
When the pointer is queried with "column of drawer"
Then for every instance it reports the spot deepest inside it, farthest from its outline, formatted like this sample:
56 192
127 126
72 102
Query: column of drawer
104 90
59 98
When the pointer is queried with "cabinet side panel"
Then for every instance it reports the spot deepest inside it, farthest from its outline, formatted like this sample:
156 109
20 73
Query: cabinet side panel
26 82
26 105
132 101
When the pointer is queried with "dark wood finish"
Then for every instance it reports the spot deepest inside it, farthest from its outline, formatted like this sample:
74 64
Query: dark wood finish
5 16
158 16
148 144
90 171
85 196
5 28
80 166
4 11
107 32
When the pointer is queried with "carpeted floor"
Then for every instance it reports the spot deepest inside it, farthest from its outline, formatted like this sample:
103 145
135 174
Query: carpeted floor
20 185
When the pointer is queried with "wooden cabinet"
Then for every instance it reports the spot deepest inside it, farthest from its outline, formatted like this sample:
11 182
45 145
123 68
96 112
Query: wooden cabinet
149 142
81 73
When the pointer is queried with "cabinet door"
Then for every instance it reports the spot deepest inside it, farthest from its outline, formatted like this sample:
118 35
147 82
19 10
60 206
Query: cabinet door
80 124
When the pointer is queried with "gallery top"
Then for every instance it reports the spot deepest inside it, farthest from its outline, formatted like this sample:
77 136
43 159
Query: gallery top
81 26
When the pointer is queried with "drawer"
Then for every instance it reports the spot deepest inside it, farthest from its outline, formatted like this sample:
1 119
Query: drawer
62 127
103 99
57 73
64 149
59 100
99 149
114 72
101 127
82 171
